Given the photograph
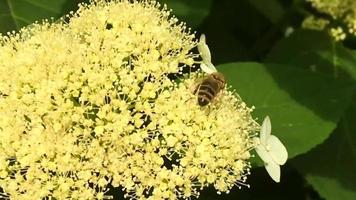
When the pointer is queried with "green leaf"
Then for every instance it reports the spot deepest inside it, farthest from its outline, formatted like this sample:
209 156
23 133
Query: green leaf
330 168
271 9
315 51
14 14
191 12
304 106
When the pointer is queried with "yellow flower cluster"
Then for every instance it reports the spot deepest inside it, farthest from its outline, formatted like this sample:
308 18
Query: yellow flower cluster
90 102
341 20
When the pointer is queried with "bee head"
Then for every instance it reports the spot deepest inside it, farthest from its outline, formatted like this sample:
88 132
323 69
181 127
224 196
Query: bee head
219 77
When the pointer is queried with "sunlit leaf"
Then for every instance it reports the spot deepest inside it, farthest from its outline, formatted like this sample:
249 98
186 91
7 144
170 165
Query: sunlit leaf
304 106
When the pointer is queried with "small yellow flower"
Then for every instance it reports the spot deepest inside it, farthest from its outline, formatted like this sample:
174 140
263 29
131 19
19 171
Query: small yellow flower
341 13
338 33
89 103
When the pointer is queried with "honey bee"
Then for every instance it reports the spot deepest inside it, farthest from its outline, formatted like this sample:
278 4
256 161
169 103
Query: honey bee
214 82
209 88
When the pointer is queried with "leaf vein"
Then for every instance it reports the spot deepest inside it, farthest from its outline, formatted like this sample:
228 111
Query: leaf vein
12 13
41 6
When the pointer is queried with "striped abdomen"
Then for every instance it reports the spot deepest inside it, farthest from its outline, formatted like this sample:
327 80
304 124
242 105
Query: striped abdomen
209 88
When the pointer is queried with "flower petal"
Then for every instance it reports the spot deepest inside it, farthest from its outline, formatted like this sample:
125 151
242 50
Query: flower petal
263 153
208 68
204 50
277 150
265 130
274 171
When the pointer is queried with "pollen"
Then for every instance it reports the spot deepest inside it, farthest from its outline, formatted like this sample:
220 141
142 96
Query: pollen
87 104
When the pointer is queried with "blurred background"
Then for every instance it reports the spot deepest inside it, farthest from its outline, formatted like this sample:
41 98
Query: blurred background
294 60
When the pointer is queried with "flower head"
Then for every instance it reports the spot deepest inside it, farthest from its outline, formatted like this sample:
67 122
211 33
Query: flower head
91 103
340 20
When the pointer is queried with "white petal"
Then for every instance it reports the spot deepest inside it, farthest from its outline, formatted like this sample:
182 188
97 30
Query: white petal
204 50
208 68
265 130
202 39
274 171
277 150
211 67
264 154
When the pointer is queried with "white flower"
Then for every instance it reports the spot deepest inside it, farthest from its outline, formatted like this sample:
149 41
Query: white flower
204 51
271 150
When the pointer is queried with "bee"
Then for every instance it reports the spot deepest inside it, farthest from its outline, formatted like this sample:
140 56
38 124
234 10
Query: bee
214 82
209 88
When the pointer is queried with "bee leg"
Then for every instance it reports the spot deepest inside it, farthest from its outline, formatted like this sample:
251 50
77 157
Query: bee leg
217 98
195 88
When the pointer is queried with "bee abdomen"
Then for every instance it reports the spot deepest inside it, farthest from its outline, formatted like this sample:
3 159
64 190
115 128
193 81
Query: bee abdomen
206 94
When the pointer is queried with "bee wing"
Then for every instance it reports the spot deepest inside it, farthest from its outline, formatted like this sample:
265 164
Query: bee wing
204 50
208 68
277 150
195 88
